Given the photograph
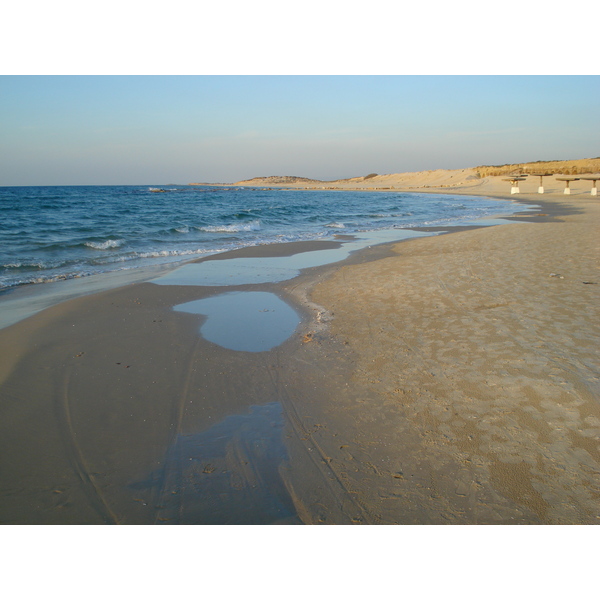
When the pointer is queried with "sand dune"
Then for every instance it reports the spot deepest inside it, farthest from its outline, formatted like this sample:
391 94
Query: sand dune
479 180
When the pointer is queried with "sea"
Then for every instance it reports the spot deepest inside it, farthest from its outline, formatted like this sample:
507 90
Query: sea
48 234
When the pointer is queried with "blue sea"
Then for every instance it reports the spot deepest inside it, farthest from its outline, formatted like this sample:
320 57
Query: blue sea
55 233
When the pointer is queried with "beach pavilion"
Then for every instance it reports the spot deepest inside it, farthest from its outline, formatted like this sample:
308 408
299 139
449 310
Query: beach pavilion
514 182
593 179
541 176
567 181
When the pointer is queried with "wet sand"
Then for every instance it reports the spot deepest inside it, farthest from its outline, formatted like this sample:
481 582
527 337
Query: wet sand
446 379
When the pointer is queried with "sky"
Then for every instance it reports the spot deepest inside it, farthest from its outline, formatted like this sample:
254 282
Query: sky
94 130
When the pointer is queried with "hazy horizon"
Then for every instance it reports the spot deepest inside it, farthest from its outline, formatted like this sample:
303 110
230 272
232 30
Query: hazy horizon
130 130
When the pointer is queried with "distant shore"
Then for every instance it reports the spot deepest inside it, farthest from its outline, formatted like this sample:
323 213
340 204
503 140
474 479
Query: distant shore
479 181
447 379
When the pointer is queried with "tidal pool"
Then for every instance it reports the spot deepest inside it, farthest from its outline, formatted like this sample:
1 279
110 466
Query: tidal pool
244 321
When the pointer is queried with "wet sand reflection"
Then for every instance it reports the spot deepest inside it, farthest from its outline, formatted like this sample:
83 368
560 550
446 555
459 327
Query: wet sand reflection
227 474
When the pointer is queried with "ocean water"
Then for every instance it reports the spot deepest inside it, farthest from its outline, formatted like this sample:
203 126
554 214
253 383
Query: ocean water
55 233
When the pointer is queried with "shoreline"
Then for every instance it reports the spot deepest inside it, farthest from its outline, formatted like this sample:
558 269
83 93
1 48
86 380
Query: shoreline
121 379
25 300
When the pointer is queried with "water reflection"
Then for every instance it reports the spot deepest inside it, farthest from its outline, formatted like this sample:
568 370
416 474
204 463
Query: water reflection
228 474
245 321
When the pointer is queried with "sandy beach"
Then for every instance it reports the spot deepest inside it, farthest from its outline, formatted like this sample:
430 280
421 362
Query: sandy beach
451 379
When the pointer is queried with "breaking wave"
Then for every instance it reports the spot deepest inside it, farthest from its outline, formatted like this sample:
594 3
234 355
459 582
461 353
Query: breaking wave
105 245
161 253
250 226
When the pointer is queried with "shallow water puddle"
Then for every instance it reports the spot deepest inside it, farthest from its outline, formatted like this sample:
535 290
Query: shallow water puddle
228 474
245 321
492 222
274 269
259 321
231 271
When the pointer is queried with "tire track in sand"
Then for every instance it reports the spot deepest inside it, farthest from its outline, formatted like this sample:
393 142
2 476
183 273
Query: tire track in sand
68 436
320 460
172 473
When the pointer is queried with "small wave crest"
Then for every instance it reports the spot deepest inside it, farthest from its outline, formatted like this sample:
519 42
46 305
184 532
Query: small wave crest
104 245
336 225
388 215
26 265
238 227
41 279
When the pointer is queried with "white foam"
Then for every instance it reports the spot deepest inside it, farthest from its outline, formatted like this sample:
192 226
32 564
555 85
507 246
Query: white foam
25 265
250 226
161 253
105 245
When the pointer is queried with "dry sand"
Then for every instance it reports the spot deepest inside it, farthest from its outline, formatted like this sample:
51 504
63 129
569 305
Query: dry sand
462 378
451 379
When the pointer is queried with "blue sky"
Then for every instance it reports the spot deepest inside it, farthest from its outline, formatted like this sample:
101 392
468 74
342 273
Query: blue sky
68 130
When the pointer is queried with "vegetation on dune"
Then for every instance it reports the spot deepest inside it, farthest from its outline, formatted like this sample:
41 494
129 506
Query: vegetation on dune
564 167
